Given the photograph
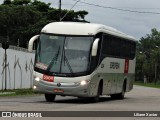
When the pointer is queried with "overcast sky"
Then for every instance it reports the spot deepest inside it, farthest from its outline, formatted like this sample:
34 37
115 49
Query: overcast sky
135 24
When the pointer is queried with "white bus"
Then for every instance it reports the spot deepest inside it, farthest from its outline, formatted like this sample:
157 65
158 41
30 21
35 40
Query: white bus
83 60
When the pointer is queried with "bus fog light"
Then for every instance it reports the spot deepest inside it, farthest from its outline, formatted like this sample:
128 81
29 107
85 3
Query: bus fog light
37 79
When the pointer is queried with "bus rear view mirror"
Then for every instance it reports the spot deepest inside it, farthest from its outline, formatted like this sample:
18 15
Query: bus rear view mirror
95 47
31 41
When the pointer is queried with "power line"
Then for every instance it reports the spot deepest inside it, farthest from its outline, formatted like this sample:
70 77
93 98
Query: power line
65 4
120 9
138 8
70 10
117 7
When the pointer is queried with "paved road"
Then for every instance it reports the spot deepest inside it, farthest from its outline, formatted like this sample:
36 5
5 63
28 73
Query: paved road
139 99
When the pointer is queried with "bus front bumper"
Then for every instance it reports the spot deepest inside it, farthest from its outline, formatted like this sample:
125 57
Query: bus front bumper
64 89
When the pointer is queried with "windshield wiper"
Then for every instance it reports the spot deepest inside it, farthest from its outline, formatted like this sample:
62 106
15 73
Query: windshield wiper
65 59
68 64
53 60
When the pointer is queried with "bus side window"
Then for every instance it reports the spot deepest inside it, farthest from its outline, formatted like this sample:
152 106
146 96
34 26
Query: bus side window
105 48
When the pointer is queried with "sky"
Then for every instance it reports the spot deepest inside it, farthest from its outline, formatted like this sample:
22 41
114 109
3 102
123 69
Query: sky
131 23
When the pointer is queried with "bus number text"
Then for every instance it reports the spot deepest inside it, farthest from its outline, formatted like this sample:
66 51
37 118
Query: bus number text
114 65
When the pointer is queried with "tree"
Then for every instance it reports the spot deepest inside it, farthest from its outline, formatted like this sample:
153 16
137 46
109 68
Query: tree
148 56
21 2
7 2
21 19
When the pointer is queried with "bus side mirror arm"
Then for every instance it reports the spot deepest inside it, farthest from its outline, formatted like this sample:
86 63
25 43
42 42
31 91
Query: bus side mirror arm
31 41
95 47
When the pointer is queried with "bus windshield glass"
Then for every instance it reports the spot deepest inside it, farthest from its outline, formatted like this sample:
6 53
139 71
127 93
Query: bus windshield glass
63 54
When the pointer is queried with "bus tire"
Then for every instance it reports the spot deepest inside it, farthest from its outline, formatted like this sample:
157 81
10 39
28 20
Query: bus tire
120 95
97 97
49 97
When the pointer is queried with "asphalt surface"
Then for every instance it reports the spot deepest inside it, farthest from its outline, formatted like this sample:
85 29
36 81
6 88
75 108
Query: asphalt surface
139 99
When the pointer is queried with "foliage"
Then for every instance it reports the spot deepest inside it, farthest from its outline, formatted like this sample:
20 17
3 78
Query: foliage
148 57
17 92
21 19
153 85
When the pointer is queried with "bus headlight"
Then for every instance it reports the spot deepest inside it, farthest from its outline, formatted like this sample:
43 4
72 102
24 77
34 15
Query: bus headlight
34 87
84 82
37 79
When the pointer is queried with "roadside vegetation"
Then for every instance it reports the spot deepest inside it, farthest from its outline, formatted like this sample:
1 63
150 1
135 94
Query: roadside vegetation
17 92
148 59
153 85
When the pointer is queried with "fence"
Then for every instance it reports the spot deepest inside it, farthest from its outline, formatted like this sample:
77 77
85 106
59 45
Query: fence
19 68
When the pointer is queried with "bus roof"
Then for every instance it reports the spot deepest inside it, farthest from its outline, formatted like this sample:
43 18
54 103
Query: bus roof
79 28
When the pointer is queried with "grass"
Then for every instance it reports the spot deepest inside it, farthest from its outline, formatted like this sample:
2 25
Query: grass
16 92
148 84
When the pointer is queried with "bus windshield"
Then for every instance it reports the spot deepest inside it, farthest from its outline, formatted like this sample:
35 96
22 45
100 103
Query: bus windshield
63 54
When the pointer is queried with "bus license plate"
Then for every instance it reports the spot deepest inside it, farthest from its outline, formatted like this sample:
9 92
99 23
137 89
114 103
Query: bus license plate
59 90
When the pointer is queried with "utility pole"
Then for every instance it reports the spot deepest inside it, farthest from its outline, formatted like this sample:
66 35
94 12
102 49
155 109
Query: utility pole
5 46
68 10
60 10
156 64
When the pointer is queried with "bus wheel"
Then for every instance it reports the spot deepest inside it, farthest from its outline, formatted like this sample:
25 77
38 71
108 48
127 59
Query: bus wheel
96 98
50 97
120 95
